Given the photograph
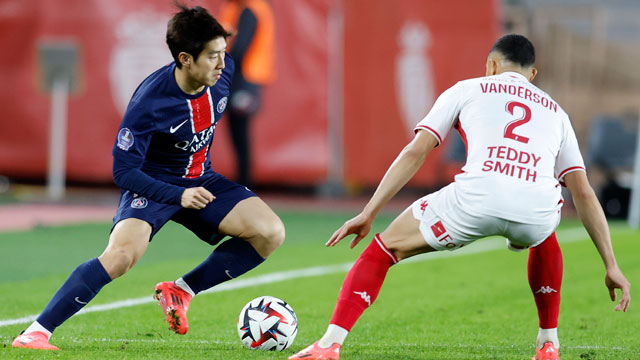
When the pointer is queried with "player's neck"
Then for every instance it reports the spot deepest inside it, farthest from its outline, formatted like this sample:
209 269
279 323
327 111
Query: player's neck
186 83
514 70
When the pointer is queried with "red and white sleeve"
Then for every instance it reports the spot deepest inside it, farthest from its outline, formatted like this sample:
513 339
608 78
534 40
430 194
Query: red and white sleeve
444 113
569 158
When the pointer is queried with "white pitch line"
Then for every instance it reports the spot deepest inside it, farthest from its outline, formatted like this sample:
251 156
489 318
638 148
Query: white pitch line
184 340
565 236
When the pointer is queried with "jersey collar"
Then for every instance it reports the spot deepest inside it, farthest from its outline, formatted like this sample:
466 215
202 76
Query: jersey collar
514 74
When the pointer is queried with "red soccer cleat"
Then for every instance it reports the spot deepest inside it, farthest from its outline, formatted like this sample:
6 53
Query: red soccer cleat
316 352
33 340
175 303
548 352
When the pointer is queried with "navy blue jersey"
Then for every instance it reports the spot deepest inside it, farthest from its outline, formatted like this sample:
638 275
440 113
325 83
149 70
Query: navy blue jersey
165 136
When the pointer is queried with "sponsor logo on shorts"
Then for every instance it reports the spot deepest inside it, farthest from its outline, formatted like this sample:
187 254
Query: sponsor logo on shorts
125 139
222 104
139 203
443 237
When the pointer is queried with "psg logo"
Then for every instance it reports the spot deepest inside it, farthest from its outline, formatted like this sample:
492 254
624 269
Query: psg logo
222 104
139 203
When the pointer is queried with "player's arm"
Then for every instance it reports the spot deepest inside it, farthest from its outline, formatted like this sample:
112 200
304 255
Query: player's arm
594 220
429 133
399 173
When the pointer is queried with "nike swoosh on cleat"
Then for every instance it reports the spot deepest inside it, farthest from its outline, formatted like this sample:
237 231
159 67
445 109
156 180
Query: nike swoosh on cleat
228 274
77 299
174 129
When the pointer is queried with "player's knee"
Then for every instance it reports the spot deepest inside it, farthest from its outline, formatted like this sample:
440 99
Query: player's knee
268 236
274 234
117 261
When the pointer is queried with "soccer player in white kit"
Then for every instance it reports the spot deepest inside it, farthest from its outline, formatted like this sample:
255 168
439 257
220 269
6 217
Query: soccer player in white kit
520 149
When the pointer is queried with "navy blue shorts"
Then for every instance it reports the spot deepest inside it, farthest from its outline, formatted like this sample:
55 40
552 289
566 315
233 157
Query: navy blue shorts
204 222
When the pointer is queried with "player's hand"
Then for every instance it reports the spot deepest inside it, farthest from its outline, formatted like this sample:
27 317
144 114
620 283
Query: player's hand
196 198
616 280
359 225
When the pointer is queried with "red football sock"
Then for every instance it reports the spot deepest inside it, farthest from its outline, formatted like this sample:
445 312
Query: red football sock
362 285
545 280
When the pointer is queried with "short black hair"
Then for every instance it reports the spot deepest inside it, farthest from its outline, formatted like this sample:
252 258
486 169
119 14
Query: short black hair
516 49
190 29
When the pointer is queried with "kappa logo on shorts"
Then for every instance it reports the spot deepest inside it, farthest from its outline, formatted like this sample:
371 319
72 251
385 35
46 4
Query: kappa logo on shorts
139 203
125 139
423 206
222 104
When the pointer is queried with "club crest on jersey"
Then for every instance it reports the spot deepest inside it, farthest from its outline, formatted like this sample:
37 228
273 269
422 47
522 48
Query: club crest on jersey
222 104
139 203
125 139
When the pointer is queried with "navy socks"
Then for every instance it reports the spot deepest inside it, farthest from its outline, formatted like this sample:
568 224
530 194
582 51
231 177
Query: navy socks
81 286
229 260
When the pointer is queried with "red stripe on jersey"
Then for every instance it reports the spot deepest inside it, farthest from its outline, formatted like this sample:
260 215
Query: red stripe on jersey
196 164
200 108
571 169
464 137
431 131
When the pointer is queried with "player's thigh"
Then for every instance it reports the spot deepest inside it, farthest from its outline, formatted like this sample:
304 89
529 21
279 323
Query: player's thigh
403 236
127 243
252 218
132 234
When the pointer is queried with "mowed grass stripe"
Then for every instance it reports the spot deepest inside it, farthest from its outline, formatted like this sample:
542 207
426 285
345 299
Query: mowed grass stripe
565 236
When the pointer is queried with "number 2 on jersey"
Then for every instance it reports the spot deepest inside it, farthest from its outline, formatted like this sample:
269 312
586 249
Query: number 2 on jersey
508 130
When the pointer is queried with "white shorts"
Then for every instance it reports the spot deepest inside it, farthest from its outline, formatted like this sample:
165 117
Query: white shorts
446 225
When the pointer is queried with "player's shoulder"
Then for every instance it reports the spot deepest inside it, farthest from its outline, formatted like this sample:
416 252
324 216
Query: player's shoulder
154 83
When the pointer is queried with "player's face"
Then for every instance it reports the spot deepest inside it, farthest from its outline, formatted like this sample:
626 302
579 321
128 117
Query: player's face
208 68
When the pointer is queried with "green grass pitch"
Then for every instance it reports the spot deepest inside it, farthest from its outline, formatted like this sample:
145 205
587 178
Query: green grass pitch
474 305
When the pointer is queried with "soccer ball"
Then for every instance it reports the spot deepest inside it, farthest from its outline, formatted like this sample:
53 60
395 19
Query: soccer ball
267 323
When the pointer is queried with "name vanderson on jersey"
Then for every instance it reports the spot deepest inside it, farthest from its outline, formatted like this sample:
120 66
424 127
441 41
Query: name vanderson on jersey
165 135
518 141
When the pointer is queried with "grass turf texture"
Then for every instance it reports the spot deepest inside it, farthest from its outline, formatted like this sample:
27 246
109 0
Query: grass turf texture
475 306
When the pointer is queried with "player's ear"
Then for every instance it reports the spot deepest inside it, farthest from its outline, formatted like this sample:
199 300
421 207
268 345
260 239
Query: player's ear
534 72
185 59
492 67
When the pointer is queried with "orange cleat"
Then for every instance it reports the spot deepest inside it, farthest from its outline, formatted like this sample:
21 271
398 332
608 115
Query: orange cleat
175 303
33 340
316 352
548 352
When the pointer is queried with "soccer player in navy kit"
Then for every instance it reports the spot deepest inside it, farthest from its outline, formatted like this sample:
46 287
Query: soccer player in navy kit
162 164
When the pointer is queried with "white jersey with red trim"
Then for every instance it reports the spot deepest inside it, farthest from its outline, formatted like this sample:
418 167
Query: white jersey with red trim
519 143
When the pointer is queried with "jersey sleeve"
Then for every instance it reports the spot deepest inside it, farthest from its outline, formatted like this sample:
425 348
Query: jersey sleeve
569 158
129 152
444 113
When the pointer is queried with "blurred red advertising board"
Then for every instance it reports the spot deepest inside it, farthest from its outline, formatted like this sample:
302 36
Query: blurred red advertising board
394 52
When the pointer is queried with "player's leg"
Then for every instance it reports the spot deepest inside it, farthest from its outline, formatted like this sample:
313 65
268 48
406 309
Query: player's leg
127 243
545 279
256 233
402 239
